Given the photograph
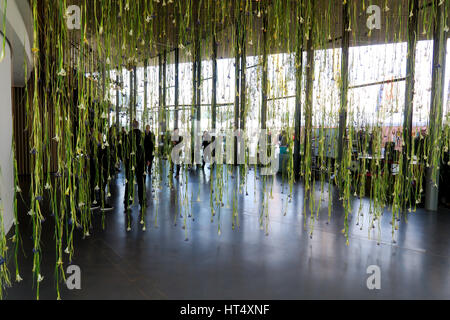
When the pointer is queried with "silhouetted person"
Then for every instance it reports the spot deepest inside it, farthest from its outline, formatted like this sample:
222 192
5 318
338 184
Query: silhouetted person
206 140
104 161
149 146
134 164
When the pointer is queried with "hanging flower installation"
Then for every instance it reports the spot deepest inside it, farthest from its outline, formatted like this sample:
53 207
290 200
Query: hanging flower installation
316 75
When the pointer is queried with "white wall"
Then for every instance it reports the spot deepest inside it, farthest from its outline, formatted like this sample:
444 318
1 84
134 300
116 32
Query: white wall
19 35
6 159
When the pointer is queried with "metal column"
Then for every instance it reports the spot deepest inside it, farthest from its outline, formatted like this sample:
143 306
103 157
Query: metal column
413 31
145 114
237 78
198 58
196 118
214 83
242 105
214 71
130 107
117 102
177 61
264 72
162 91
104 90
309 84
298 94
344 80
134 92
436 109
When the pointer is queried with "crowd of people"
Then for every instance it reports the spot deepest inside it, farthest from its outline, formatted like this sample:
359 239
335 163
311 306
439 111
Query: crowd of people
132 151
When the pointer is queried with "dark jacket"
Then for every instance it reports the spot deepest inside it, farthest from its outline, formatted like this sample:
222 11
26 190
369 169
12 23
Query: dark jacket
149 146
136 151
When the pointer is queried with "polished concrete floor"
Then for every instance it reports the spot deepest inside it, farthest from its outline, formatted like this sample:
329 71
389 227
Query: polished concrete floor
161 263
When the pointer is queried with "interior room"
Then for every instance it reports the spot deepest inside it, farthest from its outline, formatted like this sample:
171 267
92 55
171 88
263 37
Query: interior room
224 150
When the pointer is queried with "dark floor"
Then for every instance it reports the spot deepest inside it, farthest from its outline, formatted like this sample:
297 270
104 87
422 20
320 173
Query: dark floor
245 263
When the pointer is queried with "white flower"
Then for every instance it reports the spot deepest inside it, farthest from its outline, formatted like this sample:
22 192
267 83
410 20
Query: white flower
62 73
56 138
95 202
446 28
18 189
101 30
108 61
48 186
128 229
40 278
143 228
97 188
127 6
141 222
109 195
81 204
147 19
131 32
67 250
31 213
81 107
18 278
104 116
386 9
87 234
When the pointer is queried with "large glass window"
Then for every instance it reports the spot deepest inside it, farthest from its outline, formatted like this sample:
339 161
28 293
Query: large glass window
376 89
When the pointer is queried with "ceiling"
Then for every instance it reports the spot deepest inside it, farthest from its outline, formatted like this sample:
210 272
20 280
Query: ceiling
168 30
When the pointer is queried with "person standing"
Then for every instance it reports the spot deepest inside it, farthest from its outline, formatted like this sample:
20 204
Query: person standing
206 140
135 165
176 139
149 147
104 162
